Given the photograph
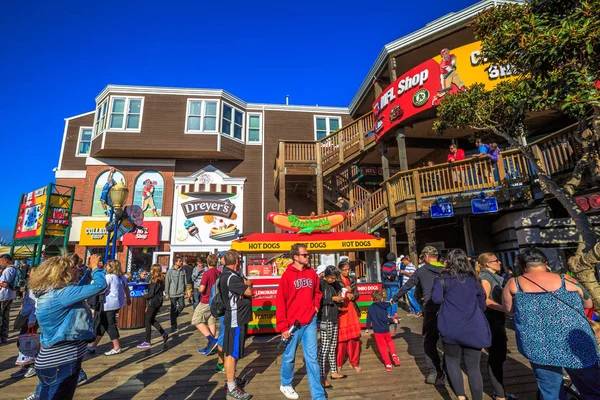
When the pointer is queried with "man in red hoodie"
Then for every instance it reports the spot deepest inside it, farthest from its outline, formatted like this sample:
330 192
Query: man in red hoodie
298 299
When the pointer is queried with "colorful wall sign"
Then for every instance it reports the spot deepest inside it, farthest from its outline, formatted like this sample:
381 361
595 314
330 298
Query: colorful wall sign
441 210
148 235
31 214
209 213
423 87
589 202
103 183
294 223
484 206
93 234
148 193
378 171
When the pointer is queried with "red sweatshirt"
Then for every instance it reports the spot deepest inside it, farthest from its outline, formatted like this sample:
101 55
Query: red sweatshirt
298 294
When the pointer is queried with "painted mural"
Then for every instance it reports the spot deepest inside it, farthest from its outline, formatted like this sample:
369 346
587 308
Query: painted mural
100 205
148 193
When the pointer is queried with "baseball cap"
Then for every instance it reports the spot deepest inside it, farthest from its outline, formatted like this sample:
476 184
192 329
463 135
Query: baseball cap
430 251
222 254
320 269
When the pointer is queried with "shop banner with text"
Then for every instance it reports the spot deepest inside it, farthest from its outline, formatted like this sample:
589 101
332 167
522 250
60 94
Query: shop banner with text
424 86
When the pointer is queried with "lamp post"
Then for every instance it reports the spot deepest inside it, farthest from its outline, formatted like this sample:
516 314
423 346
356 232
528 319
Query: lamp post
118 196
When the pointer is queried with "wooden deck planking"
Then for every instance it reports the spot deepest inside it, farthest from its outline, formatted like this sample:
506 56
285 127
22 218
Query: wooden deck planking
177 371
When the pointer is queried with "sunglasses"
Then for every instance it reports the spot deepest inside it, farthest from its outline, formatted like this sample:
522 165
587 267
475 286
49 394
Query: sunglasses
496 260
303 255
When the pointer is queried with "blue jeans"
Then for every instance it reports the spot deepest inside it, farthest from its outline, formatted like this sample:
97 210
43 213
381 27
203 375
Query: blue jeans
308 336
221 331
549 380
196 297
58 382
412 300
391 291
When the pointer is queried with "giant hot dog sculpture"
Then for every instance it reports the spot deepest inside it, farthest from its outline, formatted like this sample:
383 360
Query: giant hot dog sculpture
301 224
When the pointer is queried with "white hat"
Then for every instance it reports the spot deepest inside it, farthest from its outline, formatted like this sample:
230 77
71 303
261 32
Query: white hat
320 269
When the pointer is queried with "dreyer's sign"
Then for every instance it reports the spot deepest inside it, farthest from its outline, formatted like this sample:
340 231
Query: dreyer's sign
196 208
424 86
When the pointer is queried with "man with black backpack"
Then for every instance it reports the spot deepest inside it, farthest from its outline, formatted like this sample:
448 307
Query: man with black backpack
236 293
7 294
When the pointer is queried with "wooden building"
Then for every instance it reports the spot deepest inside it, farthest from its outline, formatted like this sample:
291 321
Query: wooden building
172 144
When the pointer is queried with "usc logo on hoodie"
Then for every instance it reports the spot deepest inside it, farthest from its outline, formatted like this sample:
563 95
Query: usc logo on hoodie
304 282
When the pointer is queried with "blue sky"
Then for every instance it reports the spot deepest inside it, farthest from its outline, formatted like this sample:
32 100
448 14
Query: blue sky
57 56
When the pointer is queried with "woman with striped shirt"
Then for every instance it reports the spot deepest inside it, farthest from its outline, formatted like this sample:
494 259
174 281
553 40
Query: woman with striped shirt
65 321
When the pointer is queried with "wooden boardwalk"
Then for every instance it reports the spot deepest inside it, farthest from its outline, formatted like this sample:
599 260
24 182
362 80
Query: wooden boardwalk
176 371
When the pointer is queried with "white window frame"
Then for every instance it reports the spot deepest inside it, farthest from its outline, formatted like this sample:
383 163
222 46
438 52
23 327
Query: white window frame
202 115
260 127
81 128
125 113
232 123
97 129
327 124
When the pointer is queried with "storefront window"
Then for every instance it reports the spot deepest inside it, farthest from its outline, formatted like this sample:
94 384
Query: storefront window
140 258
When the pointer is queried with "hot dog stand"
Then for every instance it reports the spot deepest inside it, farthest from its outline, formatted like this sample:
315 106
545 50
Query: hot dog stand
266 275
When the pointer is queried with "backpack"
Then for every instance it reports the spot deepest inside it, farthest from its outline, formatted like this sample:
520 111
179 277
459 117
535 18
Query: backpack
18 280
217 303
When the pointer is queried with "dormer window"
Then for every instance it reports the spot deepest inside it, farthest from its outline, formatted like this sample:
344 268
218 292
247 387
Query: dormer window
126 113
201 116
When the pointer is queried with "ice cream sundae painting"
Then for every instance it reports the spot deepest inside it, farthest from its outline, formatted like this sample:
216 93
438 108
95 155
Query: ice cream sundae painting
224 232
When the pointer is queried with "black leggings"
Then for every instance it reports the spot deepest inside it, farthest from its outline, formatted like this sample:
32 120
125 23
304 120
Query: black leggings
108 323
453 354
496 357
150 321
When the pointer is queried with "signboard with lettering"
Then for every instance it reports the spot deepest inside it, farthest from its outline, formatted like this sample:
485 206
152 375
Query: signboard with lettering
147 236
93 233
294 223
423 87
318 242
589 202
441 210
484 206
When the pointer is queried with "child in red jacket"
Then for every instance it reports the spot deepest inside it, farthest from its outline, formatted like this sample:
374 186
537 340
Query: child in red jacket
378 317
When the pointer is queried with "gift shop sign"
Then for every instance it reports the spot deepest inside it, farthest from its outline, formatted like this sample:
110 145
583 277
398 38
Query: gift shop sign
148 235
424 86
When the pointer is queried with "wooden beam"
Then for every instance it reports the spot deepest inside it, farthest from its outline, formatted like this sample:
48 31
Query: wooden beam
392 69
393 243
401 140
385 162
319 181
281 167
351 187
411 233
377 87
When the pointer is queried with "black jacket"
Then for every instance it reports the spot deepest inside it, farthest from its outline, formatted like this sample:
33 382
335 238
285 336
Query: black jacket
155 295
329 308
423 279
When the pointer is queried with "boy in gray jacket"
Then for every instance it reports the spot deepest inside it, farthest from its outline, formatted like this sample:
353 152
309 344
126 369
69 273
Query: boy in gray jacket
175 285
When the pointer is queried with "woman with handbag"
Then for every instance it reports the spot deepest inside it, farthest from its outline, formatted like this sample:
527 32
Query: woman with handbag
65 321
154 301
348 320
462 324
552 330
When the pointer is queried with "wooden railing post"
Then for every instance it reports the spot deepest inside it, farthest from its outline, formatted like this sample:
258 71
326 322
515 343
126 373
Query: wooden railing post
538 154
319 181
340 147
501 169
281 167
417 189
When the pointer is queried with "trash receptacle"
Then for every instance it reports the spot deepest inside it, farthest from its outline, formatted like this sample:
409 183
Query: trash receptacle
132 316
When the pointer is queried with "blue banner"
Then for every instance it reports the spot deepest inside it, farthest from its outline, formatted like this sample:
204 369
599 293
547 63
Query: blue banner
441 210
484 206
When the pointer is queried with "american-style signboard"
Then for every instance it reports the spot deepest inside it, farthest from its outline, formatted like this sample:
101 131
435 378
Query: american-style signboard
299 224
425 85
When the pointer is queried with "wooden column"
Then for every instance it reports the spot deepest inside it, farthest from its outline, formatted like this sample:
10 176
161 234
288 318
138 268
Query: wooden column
385 162
377 87
411 233
351 188
319 181
401 140
393 243
392 69
281 166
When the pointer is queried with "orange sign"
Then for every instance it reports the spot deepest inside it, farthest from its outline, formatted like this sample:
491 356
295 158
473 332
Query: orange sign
299 224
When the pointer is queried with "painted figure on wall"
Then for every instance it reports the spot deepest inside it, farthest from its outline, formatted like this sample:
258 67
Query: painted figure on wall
448 76
148 193
101 201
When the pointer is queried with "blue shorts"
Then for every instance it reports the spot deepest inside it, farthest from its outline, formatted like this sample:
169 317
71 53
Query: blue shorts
221 331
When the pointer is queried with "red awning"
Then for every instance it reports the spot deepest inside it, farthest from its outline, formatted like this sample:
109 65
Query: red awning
334 241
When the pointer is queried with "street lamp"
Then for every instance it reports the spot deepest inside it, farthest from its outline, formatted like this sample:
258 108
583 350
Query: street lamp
118 196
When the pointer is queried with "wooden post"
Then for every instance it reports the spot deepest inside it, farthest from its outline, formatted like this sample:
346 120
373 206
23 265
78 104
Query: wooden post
392 235
417 189
340 139
385 162
501 169
351 188
281 167
319 181
392 69
411 234
377 87
400 138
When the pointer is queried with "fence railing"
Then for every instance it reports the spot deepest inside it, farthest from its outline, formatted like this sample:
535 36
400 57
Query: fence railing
348 141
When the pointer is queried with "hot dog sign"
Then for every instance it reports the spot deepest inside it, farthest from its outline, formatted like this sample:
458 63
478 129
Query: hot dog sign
301 224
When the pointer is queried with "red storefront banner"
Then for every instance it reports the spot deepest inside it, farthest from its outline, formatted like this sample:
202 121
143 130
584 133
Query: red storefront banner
148 236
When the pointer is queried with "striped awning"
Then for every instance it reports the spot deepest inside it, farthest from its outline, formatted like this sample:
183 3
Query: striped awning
208 188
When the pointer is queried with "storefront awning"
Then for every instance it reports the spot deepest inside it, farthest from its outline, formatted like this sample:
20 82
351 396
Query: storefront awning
197 188
319 242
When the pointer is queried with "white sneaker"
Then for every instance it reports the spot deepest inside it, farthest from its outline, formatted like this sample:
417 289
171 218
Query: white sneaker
112 352
30 372
32 396
289 392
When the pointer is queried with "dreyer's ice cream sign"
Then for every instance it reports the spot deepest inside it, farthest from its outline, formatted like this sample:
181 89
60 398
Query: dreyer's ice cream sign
222 208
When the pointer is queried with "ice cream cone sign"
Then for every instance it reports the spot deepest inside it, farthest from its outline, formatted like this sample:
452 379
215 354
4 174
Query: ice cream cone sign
192 229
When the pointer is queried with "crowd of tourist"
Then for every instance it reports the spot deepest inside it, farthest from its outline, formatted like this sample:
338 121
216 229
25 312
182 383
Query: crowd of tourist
462 303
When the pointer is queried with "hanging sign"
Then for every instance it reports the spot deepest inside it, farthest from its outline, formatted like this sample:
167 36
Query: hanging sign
441 210
484 206
299 224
